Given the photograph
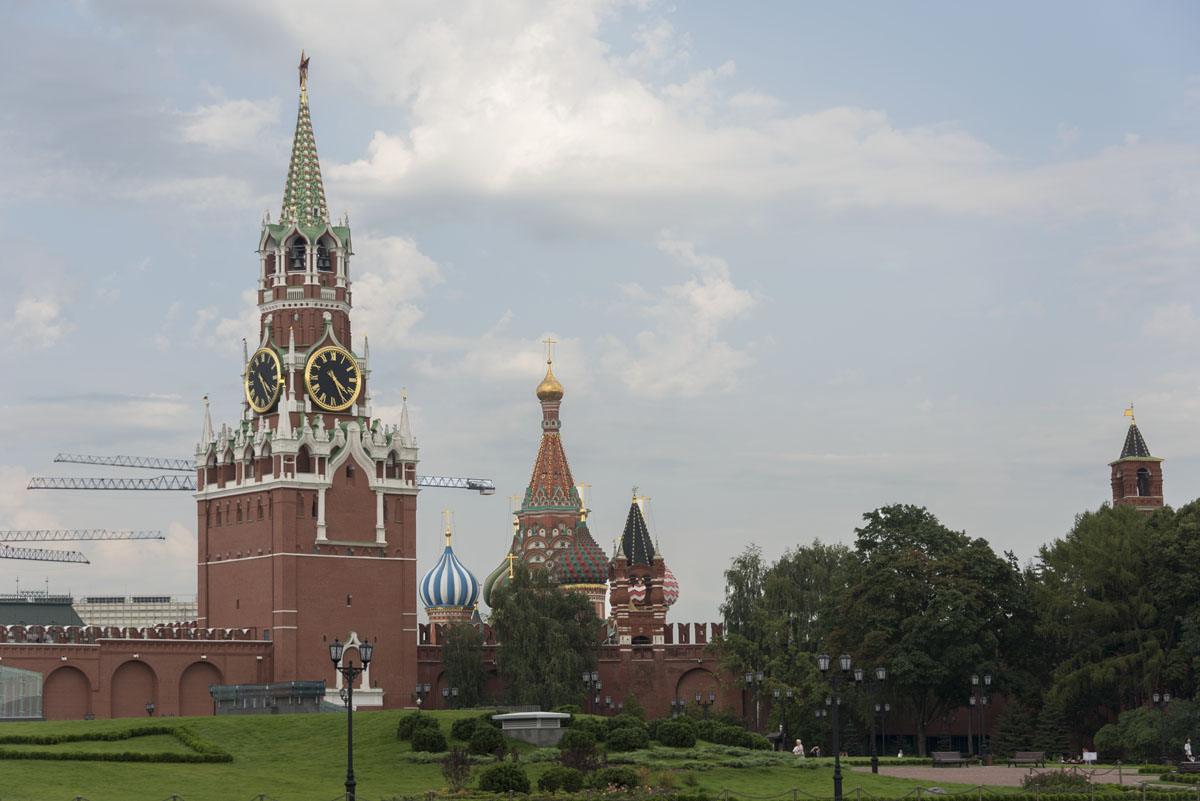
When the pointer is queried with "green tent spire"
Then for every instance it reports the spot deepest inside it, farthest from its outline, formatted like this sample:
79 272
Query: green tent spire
304 194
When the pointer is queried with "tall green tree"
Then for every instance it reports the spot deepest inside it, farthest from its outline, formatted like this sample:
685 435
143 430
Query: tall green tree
547 639
1014 731
929 603
462 657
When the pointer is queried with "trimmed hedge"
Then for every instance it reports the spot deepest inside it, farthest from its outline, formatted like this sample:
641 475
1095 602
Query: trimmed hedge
622 721
486 740
203 750
504 777
574 739
628 738
430 740
409 723
676 735
562 778
596 726
463 728
614 777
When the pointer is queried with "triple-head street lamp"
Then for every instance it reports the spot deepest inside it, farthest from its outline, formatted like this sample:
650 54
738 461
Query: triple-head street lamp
979 701
591 682
785 696
703 704
825 665
349 673
1161 700
754 680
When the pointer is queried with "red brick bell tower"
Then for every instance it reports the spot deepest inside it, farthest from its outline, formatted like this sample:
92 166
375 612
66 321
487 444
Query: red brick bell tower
306 507
1137 478
642 587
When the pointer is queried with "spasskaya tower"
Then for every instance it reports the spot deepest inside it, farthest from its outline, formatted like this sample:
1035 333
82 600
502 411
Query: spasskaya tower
306 508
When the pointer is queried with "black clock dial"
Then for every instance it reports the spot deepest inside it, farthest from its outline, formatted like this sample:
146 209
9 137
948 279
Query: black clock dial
264 380
333 378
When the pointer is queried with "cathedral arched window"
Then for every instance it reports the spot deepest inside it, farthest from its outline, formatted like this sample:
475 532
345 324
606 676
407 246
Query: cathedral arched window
1143 482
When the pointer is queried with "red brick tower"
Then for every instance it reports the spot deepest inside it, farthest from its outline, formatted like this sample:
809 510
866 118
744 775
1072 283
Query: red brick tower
642 586
306 508
550 528
1137 478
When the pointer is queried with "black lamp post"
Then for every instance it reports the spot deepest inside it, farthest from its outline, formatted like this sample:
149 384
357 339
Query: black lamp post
784 696
421 692
1161 700
677 706
753 679
836 675
150 708
449 696
591 684
881 711
349 674
872 685
700 702
979 700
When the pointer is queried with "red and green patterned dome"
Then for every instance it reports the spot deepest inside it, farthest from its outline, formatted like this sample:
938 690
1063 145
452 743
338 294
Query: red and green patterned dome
582 563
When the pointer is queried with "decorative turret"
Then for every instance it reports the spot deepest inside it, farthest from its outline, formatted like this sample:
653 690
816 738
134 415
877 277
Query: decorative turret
1137 478
640 592
449 591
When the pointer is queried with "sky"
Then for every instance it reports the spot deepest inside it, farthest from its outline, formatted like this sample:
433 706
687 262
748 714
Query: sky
804 260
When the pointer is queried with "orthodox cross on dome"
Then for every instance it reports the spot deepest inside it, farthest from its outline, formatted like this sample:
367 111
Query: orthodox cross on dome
549 342
510 558
448 525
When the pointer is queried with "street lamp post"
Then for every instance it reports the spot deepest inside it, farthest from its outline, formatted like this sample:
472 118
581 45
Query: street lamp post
881 711
836 676
784 696
449 695
349 674
754 680
591 683
872 685
421 692
979 701
700 702
677 706
150 709
1161 700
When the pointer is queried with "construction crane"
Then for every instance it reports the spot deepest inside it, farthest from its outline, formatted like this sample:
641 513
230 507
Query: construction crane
484 486
42 555
76 535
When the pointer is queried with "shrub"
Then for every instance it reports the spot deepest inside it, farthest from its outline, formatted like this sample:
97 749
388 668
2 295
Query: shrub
486 717
676 735
463 728
576 738
1054 780
504 777
429 739
569 709
486 740
730 735
456 768
622 721
614 777
562 778
628 738
594 725
706 729
411 722
634 708
758 742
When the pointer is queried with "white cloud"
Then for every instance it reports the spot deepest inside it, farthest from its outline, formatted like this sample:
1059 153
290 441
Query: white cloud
225 334
229 124
1174 322
386 293
35 321
684 351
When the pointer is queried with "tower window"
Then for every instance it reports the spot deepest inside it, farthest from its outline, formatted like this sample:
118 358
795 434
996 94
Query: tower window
1143 482
323 263
297 257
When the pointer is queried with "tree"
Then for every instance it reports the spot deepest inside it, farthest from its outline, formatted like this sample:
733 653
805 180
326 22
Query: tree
547 637
1053 734
1014 731
929 603
462 656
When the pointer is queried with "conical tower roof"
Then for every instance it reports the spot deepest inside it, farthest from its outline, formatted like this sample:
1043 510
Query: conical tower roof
304 193
1135 445
636 545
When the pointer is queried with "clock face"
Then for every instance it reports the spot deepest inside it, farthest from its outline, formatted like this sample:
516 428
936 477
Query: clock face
264 380
333 378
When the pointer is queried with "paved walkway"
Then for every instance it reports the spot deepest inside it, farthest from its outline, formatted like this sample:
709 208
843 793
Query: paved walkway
994 774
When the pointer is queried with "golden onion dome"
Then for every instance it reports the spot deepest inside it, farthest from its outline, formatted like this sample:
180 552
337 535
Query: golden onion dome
549 389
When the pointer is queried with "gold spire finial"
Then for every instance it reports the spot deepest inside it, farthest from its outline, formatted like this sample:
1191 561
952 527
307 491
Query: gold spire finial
1129 414
549 389
448 525
303 75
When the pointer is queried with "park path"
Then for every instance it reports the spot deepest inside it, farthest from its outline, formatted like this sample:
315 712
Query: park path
987 774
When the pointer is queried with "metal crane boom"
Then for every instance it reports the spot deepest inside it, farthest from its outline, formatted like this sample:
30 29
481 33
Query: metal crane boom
187 483
42 555
484 486
149 462
76 535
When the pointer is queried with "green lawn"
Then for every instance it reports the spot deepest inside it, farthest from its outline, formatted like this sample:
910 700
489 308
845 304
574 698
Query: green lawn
302 758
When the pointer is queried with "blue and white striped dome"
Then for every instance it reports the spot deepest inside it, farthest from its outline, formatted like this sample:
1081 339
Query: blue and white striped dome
448 583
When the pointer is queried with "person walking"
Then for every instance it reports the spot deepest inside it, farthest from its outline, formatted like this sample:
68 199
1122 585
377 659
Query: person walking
1187 750
798 750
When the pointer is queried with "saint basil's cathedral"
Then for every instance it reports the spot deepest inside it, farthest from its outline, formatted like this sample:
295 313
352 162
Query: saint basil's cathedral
306 531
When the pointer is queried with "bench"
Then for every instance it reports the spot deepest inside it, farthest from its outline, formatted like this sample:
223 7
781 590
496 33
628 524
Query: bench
949 758
1188 767
1035 758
